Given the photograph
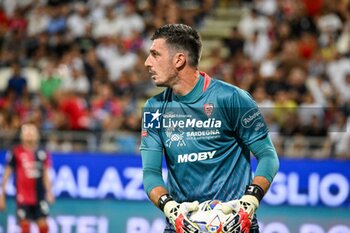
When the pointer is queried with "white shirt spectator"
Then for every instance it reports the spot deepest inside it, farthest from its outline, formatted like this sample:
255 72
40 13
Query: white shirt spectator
11 5
106 50
38 19
119 64
329 23
343 42
252 22
267 7
77 23
257 47
129 22
103 3
338 70
268 66
96 14
107 26
319 89
76 81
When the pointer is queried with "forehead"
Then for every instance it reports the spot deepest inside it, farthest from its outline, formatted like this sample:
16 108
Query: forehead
159 44
29 129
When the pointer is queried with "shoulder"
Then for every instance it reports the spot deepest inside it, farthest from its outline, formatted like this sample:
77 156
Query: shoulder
11 153
227 90
15 149
43 154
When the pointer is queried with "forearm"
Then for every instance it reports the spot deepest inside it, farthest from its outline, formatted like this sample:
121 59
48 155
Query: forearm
47 181
152 175
5 177
262 182
268 163
156 193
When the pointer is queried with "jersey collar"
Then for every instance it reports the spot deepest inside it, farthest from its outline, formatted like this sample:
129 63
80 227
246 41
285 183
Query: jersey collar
200 87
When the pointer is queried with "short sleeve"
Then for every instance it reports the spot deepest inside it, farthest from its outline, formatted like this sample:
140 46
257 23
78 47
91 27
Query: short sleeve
150 133
248 122
48 160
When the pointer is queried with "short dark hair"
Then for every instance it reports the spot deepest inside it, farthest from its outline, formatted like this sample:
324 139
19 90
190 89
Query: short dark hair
181 37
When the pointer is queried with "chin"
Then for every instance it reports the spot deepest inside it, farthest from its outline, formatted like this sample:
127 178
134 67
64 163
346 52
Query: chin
159 83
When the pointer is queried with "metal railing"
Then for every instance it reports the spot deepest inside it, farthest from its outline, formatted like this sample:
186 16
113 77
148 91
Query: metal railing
67 141
126 142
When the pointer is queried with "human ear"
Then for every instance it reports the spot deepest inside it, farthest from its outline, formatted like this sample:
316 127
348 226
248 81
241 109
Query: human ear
180 60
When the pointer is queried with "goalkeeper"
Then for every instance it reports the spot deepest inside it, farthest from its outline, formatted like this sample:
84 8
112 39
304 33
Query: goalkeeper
207 129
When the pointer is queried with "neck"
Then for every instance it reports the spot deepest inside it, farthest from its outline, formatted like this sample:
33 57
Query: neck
30 145
186 82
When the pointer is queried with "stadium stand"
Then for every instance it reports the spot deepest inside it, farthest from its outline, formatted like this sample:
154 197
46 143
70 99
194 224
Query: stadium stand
86 83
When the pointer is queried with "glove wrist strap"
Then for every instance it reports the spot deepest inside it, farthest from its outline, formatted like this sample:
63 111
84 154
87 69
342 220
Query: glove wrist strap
255 190
163 200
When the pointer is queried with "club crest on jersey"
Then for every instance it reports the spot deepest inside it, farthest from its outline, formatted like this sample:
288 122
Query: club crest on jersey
208 109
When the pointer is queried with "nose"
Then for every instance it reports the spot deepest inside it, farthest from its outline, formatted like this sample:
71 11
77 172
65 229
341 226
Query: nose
147 63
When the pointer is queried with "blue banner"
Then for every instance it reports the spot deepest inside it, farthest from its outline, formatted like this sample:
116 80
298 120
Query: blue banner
100 176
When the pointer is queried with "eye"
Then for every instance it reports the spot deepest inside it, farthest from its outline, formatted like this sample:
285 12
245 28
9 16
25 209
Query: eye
154 53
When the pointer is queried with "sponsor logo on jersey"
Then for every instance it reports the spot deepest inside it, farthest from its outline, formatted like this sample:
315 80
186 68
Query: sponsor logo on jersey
193 157
259 126
151 120
208 109
175 136
203 133
155 120
250 117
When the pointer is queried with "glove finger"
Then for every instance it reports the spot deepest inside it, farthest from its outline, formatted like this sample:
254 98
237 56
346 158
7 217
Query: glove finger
232 224
193 206
190 227
229 207
190 206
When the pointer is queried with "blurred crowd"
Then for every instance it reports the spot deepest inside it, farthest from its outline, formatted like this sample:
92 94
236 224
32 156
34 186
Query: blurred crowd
291 55
89 57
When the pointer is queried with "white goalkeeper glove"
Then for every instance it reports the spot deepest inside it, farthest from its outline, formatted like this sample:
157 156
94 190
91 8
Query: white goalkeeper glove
245 209
177 214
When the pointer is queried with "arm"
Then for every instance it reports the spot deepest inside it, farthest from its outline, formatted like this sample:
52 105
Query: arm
152 175
268 163
155 188
48 187
7 174
267 168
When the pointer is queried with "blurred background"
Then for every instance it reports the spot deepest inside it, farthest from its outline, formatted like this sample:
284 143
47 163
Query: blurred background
75 69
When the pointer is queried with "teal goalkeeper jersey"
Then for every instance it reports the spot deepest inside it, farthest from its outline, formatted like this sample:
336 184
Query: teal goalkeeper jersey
204 137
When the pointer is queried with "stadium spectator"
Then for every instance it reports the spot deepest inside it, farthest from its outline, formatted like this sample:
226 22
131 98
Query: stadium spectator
17 83
38 20
234 42
253 22
58 22
76 81
50 82
108 26
129 22
257 46
75 109
77 21
106 107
